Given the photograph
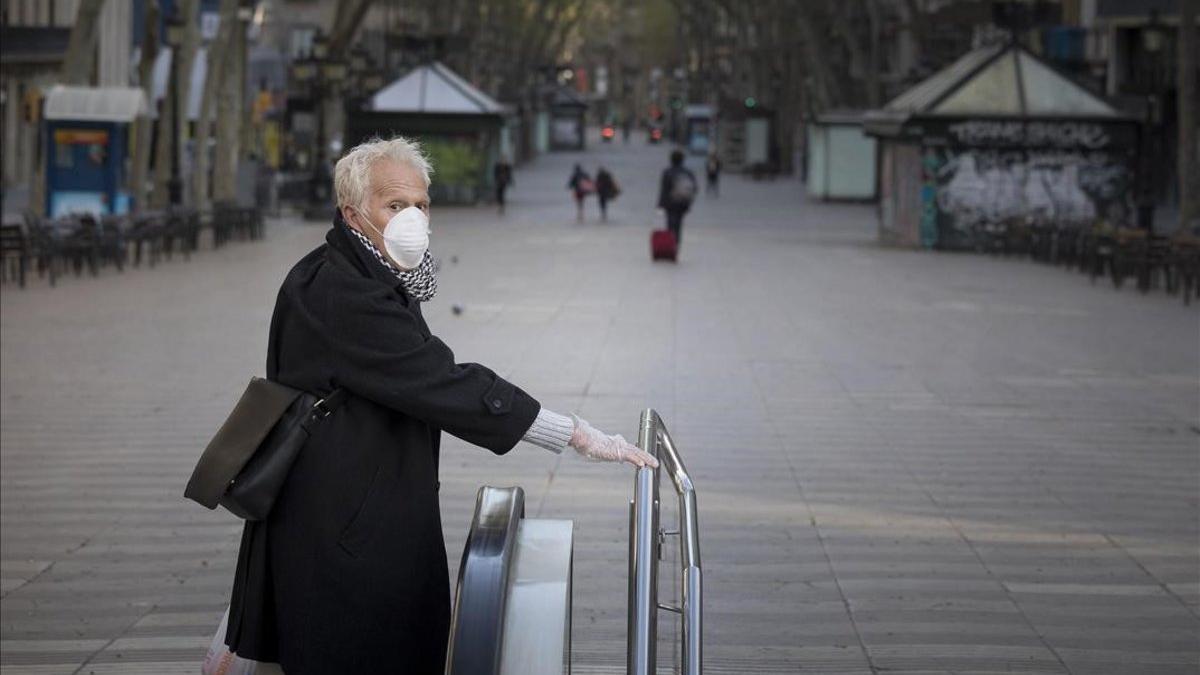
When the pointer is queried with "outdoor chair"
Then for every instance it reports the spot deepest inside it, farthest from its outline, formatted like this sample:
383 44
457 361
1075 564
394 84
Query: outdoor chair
113 229
1067 242
99 242
182 229
257 229
1151 265
14 252
229 220
222 223
990 237
1018 237
1097 251
44 246
249 223
80 242
1128 251
147 232
1183 265
1041 242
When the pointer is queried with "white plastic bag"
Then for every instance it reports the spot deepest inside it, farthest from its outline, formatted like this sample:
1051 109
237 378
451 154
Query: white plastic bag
220 661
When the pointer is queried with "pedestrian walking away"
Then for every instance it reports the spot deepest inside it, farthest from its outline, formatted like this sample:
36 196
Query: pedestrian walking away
712 170
502 175
676 191
606 190
348 573
581 185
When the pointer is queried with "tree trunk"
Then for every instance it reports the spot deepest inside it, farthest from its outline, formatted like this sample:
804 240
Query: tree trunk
1189 163
821 87
218 53
916 24
229 116
79 60
344 22
160 196
144 125
187 58
874 90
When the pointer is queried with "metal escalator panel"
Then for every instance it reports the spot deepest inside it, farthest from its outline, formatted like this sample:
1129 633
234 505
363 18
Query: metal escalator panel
477 624
512 609
537 622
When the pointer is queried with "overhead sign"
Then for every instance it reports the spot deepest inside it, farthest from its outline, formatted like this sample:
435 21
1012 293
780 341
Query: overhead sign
81 137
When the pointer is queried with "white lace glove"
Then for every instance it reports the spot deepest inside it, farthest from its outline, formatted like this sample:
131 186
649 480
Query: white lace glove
595 445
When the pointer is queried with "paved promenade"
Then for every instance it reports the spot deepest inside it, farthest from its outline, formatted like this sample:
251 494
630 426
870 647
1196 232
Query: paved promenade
906 462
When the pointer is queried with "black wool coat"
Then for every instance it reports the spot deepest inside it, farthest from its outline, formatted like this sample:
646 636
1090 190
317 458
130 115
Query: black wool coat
348 574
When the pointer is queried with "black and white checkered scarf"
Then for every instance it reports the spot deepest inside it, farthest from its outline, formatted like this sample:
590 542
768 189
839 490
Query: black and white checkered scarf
420 282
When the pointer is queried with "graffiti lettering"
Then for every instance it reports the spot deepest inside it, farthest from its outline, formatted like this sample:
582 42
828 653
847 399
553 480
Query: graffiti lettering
1066 135
1042 187
1081 135
984 132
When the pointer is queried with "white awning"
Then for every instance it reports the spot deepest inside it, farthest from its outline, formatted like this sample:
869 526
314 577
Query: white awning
95 104
434 89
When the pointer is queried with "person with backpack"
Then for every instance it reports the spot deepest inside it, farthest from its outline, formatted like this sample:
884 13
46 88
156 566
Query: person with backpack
676 192
581 185
606 190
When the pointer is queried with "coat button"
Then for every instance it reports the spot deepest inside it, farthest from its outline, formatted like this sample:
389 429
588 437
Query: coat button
496 403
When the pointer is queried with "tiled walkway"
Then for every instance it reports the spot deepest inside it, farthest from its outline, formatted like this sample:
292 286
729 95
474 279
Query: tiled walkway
906 462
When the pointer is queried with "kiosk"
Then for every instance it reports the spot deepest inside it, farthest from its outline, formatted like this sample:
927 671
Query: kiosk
86 137
701 128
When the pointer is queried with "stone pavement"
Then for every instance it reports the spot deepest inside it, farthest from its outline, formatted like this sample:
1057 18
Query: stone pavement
906 462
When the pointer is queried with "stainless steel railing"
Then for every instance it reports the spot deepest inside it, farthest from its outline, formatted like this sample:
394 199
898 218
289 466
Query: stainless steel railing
645 541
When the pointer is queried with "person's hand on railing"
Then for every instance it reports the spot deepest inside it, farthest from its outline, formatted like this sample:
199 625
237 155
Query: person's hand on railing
596 445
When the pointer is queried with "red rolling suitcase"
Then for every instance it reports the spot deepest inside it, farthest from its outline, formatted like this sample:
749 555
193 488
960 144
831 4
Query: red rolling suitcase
663 245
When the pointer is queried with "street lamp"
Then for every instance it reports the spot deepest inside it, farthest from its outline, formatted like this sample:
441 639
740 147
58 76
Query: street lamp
320 47
176 29
1153 37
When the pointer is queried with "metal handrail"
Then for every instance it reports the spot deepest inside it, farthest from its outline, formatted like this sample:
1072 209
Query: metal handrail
644 541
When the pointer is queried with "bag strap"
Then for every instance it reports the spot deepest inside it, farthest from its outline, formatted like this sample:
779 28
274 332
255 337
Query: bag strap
330 403
325 407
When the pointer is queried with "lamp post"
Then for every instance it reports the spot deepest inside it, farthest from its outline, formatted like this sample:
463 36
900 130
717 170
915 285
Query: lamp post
320 50
1153 39
304 74
333 79
176 27
324 76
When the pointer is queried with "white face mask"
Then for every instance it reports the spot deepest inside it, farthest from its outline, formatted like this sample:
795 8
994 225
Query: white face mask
406 236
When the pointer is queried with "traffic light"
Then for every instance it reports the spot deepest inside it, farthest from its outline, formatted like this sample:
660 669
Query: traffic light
750 102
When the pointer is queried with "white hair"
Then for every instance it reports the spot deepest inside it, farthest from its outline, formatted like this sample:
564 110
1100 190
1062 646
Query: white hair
352 175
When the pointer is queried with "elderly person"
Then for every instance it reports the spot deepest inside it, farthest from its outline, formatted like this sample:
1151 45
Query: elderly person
349 574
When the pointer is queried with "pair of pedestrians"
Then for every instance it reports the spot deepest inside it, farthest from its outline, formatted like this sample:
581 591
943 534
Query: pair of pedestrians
605 187
677 190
